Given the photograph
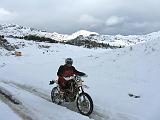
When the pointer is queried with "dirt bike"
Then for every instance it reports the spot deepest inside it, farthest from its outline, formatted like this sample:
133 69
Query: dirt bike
75 92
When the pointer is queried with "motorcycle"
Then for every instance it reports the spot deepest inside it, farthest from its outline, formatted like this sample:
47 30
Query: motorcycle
75 92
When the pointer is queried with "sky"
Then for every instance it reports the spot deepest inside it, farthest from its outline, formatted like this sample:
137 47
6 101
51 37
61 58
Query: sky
126 17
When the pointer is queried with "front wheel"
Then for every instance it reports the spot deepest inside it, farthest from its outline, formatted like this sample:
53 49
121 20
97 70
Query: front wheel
55 96
84 104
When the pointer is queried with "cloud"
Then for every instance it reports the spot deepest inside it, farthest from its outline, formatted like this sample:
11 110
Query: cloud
6 15
114 20
140 24
4 12
67 16
90 22
88 19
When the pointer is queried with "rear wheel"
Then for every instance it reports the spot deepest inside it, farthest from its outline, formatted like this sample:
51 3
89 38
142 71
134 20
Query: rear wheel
55 96
84 104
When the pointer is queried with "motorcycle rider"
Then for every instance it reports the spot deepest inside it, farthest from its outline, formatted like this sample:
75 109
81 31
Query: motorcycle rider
67 70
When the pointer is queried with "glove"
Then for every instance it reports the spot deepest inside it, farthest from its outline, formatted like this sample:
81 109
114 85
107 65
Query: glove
82 74
51 82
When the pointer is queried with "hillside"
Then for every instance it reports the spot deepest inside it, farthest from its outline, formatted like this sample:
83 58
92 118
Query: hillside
115 77
12 30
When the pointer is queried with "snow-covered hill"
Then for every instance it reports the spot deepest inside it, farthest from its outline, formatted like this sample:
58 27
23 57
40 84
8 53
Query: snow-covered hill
117 40
20 31
115 78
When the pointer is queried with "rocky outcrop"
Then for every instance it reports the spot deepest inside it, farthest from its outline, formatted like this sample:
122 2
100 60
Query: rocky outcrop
6 45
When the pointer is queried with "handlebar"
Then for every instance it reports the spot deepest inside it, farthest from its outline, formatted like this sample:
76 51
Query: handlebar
51 82
75 77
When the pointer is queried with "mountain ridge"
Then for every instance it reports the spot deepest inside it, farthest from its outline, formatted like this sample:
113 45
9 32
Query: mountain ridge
13 30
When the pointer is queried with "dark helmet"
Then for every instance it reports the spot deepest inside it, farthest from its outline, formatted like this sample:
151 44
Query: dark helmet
68 61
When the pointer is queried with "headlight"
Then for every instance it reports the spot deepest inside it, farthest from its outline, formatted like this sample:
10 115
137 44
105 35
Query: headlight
69 78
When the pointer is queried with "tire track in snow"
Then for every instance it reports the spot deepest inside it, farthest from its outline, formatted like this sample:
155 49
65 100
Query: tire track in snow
19 109
40 107
96 115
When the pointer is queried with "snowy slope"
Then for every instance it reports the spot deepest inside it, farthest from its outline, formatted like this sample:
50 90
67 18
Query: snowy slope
117 40
6 113
20 31
113 74
134 70
39 108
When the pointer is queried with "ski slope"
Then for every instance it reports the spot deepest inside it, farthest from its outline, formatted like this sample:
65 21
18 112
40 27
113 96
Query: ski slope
112 76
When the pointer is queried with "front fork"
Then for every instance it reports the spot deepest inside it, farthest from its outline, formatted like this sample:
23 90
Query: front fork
81 89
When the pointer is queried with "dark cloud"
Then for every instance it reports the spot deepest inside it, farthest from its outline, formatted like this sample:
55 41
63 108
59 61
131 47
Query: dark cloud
67 16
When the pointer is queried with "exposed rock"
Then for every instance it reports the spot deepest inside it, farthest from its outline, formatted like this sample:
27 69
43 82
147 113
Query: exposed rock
6 45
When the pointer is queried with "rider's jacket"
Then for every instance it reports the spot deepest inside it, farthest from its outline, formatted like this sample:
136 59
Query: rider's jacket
67 71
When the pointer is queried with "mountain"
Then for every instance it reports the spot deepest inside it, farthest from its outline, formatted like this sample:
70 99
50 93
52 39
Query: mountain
12 30
20 31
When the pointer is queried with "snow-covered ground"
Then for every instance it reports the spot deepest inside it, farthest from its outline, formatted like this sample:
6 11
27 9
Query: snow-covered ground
38 108
6 113
112 76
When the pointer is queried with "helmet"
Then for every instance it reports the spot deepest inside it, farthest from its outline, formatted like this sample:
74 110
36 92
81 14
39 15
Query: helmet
68 61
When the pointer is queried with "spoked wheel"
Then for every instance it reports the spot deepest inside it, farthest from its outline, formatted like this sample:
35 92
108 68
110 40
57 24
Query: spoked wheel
55 96
84 104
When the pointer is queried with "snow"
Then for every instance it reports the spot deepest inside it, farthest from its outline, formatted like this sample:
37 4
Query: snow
20 31
81 32
43 109
6 113
112 75
115 40
124 71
